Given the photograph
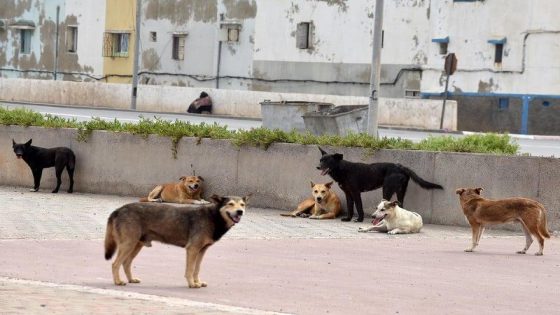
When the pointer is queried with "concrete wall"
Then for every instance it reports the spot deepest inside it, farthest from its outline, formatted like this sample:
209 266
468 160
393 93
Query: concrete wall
152 97
417 113
279 177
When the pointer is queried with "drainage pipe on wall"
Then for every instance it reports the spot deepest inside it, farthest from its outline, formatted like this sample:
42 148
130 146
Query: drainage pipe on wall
56 42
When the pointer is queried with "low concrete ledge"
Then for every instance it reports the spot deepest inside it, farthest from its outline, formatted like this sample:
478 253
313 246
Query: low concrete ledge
125 164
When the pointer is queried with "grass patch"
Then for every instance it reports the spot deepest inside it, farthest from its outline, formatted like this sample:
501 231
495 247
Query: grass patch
260 137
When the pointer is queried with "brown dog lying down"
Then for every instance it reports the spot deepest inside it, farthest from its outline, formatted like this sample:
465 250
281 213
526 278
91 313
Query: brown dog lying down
188 190
481 212
324 204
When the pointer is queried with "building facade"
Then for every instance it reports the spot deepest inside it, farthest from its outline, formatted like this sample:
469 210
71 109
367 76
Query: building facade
506 80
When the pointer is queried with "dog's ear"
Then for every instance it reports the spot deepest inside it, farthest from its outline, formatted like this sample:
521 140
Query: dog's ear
322 151
329 184
478 190
200 178
13 143
182 178
395 203
217 199
247 197
312 184
28 143
460 191
338 156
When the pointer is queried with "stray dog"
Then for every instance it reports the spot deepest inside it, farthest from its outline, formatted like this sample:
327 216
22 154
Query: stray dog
480 212
323 205
39 158
355 178
391 218
187 190
194 228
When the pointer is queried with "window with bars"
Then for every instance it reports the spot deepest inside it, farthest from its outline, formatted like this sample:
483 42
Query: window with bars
178 52
115 44
72 39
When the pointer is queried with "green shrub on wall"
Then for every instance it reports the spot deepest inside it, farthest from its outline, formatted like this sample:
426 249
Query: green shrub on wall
260 137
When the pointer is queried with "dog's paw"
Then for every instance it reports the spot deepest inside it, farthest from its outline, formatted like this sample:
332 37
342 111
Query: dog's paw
34 189
469 250
314 217
538 254
120 282
195 286
345 219
359 220
362 229
202 284
204 202
304 215
54 191
520 252
134 280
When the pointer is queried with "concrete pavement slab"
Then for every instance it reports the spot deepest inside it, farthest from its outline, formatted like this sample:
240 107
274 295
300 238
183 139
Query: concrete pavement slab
266 263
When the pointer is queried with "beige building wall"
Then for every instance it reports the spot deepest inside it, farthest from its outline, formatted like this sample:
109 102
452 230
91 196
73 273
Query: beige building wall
120 18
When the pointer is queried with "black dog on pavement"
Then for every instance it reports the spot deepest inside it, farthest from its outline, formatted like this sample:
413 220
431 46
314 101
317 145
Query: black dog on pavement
39 158
355 178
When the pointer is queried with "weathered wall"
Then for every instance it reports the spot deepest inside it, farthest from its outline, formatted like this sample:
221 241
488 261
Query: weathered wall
278 177
120 17
527 66
89 16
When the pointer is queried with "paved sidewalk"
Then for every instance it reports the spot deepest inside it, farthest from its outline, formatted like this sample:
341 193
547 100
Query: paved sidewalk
52 262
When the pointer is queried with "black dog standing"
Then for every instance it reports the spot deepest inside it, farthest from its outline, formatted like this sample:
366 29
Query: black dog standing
355 178
39 158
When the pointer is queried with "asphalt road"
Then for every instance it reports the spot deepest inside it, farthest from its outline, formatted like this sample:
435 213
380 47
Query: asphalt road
536 146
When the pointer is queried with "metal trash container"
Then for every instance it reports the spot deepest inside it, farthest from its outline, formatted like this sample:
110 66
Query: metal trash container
339 120
287 115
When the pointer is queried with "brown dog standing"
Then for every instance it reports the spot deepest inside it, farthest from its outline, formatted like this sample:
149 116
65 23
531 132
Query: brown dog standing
324 204
188 190
480 212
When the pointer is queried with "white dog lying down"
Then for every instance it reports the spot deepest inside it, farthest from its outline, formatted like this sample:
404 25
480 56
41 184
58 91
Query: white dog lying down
391 218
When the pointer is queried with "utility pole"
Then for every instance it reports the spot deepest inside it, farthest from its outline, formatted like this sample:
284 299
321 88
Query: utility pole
136 55
375 69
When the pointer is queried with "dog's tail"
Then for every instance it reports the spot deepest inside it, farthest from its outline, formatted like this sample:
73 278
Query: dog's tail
543 229
71 161
423 183
110 244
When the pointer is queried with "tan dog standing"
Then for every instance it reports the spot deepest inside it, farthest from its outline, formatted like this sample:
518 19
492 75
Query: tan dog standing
194 228
188 190
324 204
480 212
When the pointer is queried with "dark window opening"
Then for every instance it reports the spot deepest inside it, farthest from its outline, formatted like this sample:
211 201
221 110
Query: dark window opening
499 53
303 35
503 103
443 48
178 52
